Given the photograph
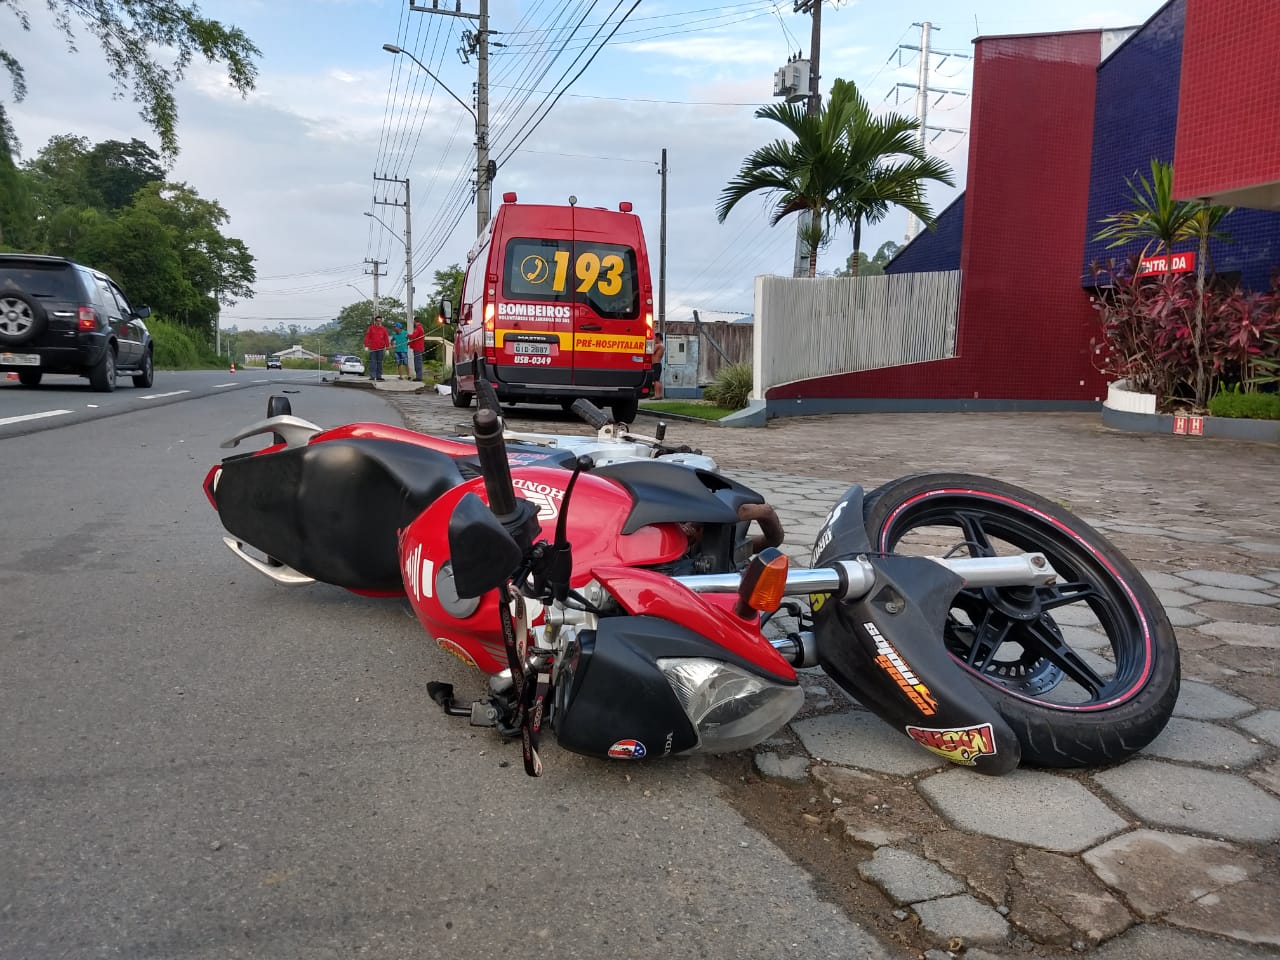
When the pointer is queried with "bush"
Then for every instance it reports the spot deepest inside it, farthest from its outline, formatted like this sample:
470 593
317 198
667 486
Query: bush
1251 406
731 387
178 347
1148 334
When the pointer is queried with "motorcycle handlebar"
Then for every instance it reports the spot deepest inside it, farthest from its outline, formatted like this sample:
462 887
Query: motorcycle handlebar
850 579
491 450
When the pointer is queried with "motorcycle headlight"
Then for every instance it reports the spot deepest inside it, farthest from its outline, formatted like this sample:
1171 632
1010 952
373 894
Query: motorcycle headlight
730 708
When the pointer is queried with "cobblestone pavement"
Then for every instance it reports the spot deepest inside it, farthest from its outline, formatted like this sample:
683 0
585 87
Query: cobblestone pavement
1173 854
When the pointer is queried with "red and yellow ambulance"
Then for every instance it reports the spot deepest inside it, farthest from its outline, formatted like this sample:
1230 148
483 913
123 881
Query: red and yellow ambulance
557 304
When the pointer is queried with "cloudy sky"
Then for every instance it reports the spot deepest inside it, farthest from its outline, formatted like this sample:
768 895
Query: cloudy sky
294 163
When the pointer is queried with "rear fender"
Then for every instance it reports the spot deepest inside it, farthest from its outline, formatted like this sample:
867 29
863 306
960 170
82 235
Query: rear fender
886 650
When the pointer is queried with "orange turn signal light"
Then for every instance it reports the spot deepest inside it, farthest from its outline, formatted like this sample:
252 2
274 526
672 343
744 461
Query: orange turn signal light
764 583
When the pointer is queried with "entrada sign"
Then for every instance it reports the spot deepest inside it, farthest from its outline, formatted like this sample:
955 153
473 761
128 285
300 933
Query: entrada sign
1167 263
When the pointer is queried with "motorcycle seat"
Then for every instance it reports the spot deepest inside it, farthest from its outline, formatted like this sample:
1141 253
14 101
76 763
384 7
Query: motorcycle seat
333 510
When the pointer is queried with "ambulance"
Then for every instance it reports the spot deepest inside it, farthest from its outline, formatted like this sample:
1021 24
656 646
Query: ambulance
557 304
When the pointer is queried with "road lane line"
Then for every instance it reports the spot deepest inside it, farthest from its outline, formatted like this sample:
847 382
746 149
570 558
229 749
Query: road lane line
157 396
232 384
33 416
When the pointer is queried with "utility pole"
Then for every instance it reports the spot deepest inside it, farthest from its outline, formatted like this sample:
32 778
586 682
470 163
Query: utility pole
923 90
814 9
375 274
662 249
475 44
408 244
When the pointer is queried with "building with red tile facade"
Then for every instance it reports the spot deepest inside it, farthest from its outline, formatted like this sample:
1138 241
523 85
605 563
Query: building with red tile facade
1059 121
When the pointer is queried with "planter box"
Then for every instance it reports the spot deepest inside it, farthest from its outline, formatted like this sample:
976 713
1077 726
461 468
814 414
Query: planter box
1121 398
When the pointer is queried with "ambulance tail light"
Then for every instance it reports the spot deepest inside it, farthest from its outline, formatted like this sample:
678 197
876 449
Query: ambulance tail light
648 334
489 341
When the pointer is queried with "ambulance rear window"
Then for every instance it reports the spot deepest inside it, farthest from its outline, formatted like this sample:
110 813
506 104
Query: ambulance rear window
602 275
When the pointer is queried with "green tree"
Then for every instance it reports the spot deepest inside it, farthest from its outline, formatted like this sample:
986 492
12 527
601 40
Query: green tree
1156 217
887 168
802 174
216 269
127 31
843 164
1161 221
870 266
448 286
115 171
57 178
137 250
17 207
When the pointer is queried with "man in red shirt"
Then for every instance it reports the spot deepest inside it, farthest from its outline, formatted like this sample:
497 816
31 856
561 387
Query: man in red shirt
376 340
417 343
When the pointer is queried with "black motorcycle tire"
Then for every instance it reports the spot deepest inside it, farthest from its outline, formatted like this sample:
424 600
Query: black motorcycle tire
1133 706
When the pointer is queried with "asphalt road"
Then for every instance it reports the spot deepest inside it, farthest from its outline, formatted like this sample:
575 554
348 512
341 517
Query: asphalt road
63 399
196 762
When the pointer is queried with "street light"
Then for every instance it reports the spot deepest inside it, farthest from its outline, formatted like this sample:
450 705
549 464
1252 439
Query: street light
392 48
481 120
384 226
363 294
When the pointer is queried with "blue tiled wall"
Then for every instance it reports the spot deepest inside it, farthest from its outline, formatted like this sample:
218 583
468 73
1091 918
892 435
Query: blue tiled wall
1136 120
936 249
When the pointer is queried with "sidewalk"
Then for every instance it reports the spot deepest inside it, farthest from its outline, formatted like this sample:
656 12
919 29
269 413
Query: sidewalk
1173 854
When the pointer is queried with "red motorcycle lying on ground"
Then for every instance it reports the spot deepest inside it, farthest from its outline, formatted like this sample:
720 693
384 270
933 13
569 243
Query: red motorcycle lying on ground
618 606
329 505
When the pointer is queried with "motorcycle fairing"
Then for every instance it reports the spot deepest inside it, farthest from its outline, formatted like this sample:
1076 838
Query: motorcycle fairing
333 510
610 690
644 592
895 663
843 535
886 650
672 493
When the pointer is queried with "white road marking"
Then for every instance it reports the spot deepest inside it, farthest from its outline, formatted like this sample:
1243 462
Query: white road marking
217 385
33 416
157 396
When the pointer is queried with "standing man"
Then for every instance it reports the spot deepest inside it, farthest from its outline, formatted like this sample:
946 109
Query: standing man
376 342
417 344
400 343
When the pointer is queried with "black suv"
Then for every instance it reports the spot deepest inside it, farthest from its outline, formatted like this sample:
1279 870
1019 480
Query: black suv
60 317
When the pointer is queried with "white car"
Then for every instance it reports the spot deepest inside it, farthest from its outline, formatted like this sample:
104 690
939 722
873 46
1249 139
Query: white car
351 365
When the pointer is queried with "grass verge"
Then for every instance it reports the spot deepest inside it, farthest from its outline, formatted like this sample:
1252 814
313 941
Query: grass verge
687 408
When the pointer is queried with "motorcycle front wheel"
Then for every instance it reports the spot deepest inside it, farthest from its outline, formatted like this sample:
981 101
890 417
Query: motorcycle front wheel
1084 670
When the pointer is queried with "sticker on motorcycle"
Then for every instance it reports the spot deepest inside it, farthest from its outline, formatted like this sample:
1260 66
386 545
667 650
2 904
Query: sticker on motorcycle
890 661
627 750
963 746
543 496
448 646
418 573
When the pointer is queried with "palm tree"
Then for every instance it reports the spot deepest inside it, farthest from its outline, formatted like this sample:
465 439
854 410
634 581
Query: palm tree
1163 221
886 168
804 172
838 168
1157 218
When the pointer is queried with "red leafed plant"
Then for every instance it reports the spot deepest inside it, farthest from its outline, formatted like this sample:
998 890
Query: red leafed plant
1148 335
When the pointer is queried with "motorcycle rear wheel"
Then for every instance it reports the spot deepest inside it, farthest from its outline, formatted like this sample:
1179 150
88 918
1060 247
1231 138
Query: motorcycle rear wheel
1085 670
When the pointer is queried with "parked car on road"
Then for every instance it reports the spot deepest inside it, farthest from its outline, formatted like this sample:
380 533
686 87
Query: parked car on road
273 363
351 365
57 316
